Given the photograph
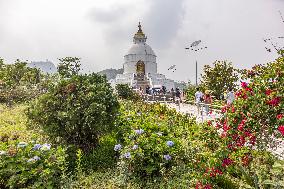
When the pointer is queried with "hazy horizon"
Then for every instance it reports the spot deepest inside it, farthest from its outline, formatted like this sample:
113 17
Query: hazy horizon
100 32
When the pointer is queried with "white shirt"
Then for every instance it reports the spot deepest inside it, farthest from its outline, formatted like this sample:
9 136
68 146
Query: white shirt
230 97
198 96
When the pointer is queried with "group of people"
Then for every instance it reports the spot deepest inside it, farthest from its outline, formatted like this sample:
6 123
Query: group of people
176 94
206 98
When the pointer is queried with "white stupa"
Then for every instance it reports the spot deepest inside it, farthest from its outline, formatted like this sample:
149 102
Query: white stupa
140 67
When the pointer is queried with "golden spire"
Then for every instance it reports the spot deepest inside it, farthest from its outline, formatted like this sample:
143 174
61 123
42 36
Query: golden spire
140 30
139 36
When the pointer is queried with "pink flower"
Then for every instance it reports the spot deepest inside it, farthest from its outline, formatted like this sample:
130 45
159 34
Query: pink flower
244 85
275 101
240 127
268 92
207 186
279 116
281 129
226 162
238 93
224 109
252 140
233 109
198 185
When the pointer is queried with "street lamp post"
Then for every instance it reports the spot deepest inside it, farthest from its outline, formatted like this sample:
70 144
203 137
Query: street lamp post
194 48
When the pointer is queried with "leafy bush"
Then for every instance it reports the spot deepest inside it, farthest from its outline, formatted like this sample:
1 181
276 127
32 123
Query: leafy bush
31 165
125 92
69 66
219 78
76 111
19 83
190 92
156 143
102 157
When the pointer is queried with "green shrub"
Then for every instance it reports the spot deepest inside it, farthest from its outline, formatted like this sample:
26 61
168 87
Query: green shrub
125 92
76 111
19 83
31 165
103 156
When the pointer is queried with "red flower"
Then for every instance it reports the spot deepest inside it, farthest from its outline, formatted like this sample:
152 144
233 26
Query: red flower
224 109
244 85
224 135
207 186
233 109
252 140
281 129
226 162
279 116
240 127
275 101
247 134
225 127
248 89
239 93
218 171
241 141
198 185
268 92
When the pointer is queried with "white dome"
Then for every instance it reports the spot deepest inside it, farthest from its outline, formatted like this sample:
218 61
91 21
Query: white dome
141 49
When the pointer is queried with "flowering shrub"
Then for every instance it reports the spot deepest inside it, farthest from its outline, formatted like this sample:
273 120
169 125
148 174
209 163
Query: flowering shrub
256 117
157 142
148 147
31 165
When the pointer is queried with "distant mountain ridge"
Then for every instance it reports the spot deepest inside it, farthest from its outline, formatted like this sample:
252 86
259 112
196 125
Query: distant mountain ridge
111 73
44 66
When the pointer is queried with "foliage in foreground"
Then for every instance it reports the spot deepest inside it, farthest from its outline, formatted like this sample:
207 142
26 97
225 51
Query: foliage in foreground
156 142
76 111
26 159
31 165
197 149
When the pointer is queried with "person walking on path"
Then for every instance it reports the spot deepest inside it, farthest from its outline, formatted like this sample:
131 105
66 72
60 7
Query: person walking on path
178 93
198 99
207 101
230 97
173 94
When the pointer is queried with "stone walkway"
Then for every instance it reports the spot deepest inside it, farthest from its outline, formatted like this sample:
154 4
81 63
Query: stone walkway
192 111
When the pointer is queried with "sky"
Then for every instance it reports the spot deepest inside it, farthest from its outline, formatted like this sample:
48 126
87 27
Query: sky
100 32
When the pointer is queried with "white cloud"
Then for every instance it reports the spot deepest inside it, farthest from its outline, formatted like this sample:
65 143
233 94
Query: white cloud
101 31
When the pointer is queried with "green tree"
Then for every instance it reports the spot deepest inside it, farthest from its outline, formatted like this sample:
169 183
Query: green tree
219 78
68 66
76 111
124 91
18 82
190 91
18 74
